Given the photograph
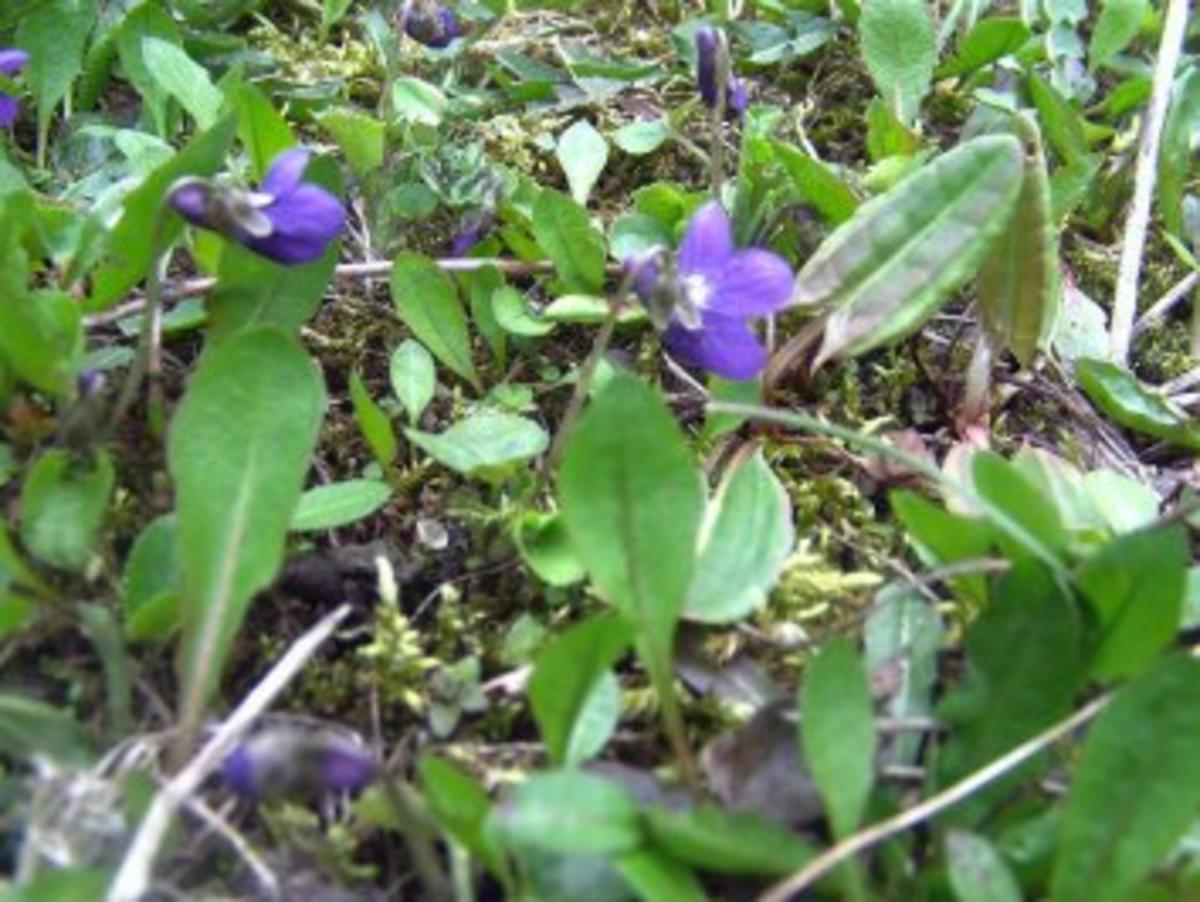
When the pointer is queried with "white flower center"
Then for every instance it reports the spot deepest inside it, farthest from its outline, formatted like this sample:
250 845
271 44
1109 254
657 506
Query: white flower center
695 293
245 209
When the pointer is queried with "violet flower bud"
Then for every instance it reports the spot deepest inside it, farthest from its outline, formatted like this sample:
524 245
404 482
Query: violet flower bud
475 229
291 760
430 23
12 61
286 219
712 58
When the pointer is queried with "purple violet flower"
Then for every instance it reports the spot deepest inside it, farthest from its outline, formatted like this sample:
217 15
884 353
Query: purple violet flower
475 228
286 219
12 61
712 54
713 294
289 760
430 23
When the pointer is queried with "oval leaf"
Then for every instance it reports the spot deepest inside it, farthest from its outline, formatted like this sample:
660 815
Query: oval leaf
62 507
426 299
486 440
898 45
413 376
331 506
568 812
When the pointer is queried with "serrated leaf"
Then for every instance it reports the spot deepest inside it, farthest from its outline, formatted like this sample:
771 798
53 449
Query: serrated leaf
632 501
413 376
744 545
1121 397
899 48
1117 26
837 729
484 441
886 270
1137 787
582 153
260 399
339 504
565 234
427 301
565 675
1019 290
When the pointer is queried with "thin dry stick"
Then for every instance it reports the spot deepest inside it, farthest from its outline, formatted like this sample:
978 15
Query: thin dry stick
1125 300
1160 308
133 878
931 807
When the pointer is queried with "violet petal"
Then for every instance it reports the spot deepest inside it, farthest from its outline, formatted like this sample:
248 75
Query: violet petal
286 171
8 110
707 44
238 771
753 282
190 200
707 243
12 61
304 221
347 769
722 345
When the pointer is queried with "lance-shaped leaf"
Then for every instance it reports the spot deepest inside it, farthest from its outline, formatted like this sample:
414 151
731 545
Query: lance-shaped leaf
1019 287
885 271
238 451
427 300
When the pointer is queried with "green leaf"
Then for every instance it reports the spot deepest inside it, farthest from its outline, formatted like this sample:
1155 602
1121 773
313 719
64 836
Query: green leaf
1062 125
1136 586
413 377
418 101
1137 787
260 400
1024 666
54 34
837 729
977 871
41 333
886 270
339 504
656 877
899 48
362 138
67 885
712 839
565 675
632 501
1019 289
569 812
514 316
1123 399
104 633
1175 155
426 300
146 20
184 79
262 129
1117 26
642 136
29 727
376 426
1025 521
332 12
129 249
62 507
459 804
942 537
151 580
565 234
545 547
887 136
582 153
987 41
747 538
484 441
817 184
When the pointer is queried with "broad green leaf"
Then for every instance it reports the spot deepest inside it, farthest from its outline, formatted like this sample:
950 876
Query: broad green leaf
1175 157
899 48
565 674
837 729
29 727
362 138
1136 585
260 400
642 136
657 877
582 153
597 720
744 543
565 234
1117 26
62 507
130 250
569 812
709 838
151 580
817 185
632 501
1025 521
1019 289
987 41
635 234
376 426
41 333
1122 398
977 871
146 20
1137 787
66 885
886 270
942 537
184 79
887 136
54 34
458 803
339 504
262 129
414 100
484 441
1024 666
413 376
426 300
545 546
514 316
